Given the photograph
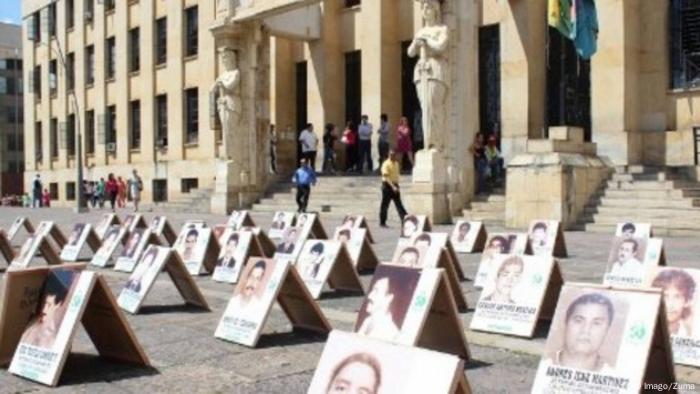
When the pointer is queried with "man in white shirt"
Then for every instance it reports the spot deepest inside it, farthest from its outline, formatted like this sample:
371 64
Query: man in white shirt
383 144
627 263
309 144
364 133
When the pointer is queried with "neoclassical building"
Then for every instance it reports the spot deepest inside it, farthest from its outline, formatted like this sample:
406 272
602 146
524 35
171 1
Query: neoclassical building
143 71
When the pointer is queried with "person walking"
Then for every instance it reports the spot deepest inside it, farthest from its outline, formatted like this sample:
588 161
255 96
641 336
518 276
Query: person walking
46 198
364 133
478 151
99 197
121 192
112 188
309 144
404 145
390 188
349 139
383 143
304 177
88 192
273 149
329 137
136 186
36 192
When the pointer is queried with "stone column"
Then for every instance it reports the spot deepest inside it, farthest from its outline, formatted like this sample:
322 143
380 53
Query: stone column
523 30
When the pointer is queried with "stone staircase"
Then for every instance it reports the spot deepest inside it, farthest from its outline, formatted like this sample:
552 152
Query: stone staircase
196 201
663 197
489 209
333 197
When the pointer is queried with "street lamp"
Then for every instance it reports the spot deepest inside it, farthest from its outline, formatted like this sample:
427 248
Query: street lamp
80 207
18 158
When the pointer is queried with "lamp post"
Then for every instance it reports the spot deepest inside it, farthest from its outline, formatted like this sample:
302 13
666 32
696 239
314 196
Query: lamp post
17 144
80 207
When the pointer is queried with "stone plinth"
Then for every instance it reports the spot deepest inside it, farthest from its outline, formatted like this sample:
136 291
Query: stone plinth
553 180
431 193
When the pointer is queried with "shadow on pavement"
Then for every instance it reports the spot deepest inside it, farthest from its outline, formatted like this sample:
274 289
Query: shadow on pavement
179 308
83 368
296 337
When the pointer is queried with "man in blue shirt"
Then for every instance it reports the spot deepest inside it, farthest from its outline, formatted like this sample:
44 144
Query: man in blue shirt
304 177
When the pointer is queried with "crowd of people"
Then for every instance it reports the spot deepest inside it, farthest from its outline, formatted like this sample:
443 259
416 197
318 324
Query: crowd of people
488 163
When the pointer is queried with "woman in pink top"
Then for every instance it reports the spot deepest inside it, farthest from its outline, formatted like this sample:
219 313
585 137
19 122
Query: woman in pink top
404 145
112 189
121 193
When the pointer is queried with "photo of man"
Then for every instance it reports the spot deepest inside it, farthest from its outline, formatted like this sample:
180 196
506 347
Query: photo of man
409 257
227 259
348 222
44 326
507 278
586 326
128 222
626 258
279 222
249 292
343 235
75 234
539 239
135 281
288 241
189 244
301 220
628 230
383 312
155 226
310 264
132 244
462 231
110 239
409 226
679 293
358 373
422 242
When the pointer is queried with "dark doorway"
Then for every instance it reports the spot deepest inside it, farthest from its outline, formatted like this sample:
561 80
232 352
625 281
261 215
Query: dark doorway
410 106
489 80
302 103
353 86
568 85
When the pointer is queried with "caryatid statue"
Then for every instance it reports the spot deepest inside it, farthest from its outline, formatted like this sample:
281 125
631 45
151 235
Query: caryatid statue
430 74
228 92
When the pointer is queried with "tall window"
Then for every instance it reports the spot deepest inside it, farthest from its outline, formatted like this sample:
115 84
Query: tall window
109 5
135 124
36 27
70 135
134 48
90 132
191 115
70 71
53 138
684 45
70 14
161 42
89 10
38 141
53 77
110 61
162 120
36 81
192 31
52 20
111 131
90 65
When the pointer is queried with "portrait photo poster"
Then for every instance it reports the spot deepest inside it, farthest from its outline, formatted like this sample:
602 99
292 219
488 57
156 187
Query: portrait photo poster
499 243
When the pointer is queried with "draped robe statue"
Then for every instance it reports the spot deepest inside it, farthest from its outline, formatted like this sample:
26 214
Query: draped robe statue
227 90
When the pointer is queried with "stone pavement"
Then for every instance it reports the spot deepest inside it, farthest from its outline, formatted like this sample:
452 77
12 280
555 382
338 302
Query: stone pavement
187 358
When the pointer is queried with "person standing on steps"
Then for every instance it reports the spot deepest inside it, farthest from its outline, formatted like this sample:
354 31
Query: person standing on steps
364 133
304 177
36 192
390 188
309 144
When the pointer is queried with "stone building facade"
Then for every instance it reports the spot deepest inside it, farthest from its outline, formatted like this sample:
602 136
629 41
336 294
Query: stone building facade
11 128
331 61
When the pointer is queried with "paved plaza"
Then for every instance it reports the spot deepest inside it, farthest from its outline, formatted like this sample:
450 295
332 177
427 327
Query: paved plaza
187 358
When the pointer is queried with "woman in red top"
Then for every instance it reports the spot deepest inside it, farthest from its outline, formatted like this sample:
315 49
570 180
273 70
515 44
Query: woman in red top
121 193
350 140
112 188
404 145
46 198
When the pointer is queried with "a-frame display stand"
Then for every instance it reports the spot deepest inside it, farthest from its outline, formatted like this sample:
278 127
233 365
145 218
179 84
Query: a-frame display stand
20 222
343 275
445 262
339 273
96 309
165 230
170 262
6 251
108 219
40 244
70 253
317 229
267 247
55 233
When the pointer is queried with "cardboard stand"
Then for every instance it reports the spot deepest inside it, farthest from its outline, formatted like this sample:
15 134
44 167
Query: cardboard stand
6 251
236 248
37 242
90 302
547 238
108 219
359 248
500 243
155 260
421 310
633 350
160 227
401 369
469 237
20 222
114 236
245 317
530 298
312 221
443 241
49 229
322 262
134 221
634 230
240 219
77 241
201 258
267 247
126 262
357 222
631 259
446 263
412 224
281 220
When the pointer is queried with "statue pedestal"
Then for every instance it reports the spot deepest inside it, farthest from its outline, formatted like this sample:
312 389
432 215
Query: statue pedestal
230 191
431 193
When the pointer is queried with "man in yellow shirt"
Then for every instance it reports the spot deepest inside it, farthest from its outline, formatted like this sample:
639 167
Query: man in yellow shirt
390 188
